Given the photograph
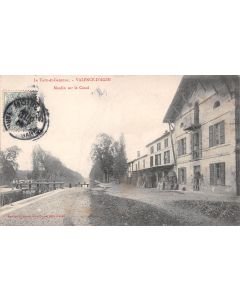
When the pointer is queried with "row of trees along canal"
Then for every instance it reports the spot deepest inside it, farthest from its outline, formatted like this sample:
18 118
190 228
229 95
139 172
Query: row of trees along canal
109 158
45 167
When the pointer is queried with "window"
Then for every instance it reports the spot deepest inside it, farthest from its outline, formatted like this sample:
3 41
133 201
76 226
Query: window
182 175
144 164
151 161
157 159
217 174
167 157
138 165
196 141
181 147
217 134
166 143
158 146
151 149
216 104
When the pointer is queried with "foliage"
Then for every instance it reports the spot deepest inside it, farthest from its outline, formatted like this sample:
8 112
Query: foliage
109 158
96 172
102 154
8 164
120 159
48 167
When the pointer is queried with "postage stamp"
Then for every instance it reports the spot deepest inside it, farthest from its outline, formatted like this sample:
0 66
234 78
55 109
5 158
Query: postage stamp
25 116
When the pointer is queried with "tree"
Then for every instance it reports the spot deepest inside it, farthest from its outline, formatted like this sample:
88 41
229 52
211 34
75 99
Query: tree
8 164
102 154
48 167
96 172
109 158
38 157
120 159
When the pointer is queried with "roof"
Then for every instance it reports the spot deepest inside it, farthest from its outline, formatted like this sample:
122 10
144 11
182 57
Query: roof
159 138
141 157
137 158
156 167
131 161
187 87
184 91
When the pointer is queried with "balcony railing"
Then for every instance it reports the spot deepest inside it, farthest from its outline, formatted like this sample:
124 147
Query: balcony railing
189 124
192 127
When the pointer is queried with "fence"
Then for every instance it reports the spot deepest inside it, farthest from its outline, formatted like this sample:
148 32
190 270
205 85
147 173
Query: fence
28 189
22 190
10 197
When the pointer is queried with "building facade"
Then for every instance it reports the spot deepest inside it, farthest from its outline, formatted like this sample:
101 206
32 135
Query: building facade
156 167
205 113
135 168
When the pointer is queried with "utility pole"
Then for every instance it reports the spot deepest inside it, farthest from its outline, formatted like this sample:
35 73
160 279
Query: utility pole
173 150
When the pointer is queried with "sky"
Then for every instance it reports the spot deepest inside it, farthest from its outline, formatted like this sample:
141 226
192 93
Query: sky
132 105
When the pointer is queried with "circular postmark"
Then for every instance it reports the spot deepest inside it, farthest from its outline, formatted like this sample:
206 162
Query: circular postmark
26 118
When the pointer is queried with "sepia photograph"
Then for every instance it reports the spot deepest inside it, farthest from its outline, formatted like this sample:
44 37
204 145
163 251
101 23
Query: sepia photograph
120 150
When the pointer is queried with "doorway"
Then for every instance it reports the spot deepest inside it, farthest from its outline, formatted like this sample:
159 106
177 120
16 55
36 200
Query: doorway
196 178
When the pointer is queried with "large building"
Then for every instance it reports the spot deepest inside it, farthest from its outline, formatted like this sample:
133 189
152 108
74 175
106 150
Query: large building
205 112
156 167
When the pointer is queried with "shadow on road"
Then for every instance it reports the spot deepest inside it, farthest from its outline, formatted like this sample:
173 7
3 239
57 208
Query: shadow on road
111 210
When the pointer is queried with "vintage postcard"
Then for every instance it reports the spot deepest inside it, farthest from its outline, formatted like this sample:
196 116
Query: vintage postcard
120 150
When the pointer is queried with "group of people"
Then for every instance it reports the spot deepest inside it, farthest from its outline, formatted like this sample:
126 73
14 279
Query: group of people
165 182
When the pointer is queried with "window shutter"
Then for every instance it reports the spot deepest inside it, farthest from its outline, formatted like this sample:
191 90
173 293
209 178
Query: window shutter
191 144
222 133
179 176
222 173
210 136
200 143
211 174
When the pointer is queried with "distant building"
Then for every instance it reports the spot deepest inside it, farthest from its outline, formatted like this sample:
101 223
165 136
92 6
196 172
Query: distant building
156 167
161 161
205 112
135 167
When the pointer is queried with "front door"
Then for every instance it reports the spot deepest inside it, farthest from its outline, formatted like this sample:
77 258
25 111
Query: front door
196 178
